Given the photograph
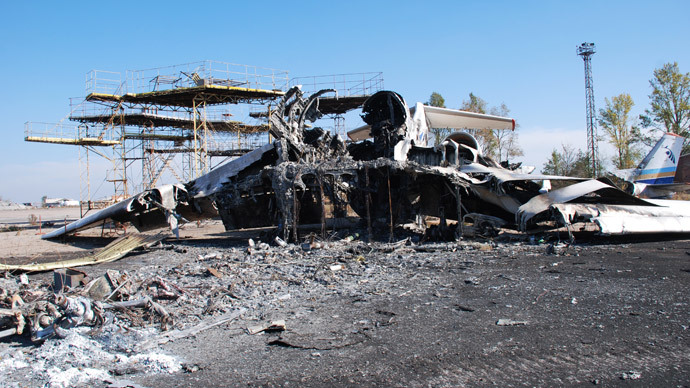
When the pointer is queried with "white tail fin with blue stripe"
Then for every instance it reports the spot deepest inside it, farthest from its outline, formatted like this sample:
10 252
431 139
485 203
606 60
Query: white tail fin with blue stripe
659 166
654 176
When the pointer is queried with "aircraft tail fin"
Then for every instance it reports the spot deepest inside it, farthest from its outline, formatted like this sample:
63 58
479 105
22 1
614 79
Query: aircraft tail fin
659 166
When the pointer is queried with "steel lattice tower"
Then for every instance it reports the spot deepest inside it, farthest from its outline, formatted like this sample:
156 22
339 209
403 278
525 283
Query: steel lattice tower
586 50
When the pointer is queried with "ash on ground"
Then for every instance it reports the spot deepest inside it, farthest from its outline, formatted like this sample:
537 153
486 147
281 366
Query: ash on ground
343 312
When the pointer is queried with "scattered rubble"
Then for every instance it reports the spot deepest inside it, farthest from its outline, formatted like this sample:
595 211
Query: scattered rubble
105 320
631 375
510 322
115 323
278 325
114 251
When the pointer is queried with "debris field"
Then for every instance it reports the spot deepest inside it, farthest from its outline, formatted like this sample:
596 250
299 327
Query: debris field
456 271
506 311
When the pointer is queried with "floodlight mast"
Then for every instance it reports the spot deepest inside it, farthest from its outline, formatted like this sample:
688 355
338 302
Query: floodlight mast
586 50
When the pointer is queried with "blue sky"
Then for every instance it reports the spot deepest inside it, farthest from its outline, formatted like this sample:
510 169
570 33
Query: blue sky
518 53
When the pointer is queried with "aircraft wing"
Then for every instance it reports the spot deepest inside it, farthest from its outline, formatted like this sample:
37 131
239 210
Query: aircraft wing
148 210
113 212
460 119
508 175
435 117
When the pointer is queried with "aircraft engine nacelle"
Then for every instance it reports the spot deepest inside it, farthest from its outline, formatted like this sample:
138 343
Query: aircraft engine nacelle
460 146
389 119
635 189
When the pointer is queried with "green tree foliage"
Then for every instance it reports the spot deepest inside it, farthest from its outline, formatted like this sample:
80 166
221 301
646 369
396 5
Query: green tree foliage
670 102
624 136
474 104
485 137
568 162
498 144
438 101
583 167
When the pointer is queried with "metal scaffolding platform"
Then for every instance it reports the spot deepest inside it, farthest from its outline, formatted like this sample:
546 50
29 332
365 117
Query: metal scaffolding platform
172 119
175 119
184 97
70 134
145 119
180 98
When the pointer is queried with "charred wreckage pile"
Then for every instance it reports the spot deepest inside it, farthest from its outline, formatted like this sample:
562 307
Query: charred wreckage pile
389 176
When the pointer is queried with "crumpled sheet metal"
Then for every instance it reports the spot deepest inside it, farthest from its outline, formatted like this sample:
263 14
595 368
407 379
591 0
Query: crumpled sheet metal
624 219
614 213
541 203
124 210
213 181
504 175
111 252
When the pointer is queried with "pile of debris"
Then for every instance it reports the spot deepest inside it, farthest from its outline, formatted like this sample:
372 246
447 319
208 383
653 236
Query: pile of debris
388 175
114 324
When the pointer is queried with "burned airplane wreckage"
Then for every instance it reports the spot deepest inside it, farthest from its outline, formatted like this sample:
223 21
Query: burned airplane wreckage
389 174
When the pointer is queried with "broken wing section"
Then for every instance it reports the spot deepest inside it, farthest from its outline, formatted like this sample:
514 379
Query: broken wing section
459 119
386 114
609 209
668 217
167 205
151 209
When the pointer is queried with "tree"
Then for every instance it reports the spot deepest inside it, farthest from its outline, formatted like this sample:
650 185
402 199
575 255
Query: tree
485 137
670 102
620 133
569 162
507 146
436 100
498 144
583 167
474 104
439 133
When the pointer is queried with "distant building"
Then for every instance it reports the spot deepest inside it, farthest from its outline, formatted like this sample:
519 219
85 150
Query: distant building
59 202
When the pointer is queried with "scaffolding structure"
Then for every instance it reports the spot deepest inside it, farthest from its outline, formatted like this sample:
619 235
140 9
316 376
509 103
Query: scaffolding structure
172 121
183 109
102 141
